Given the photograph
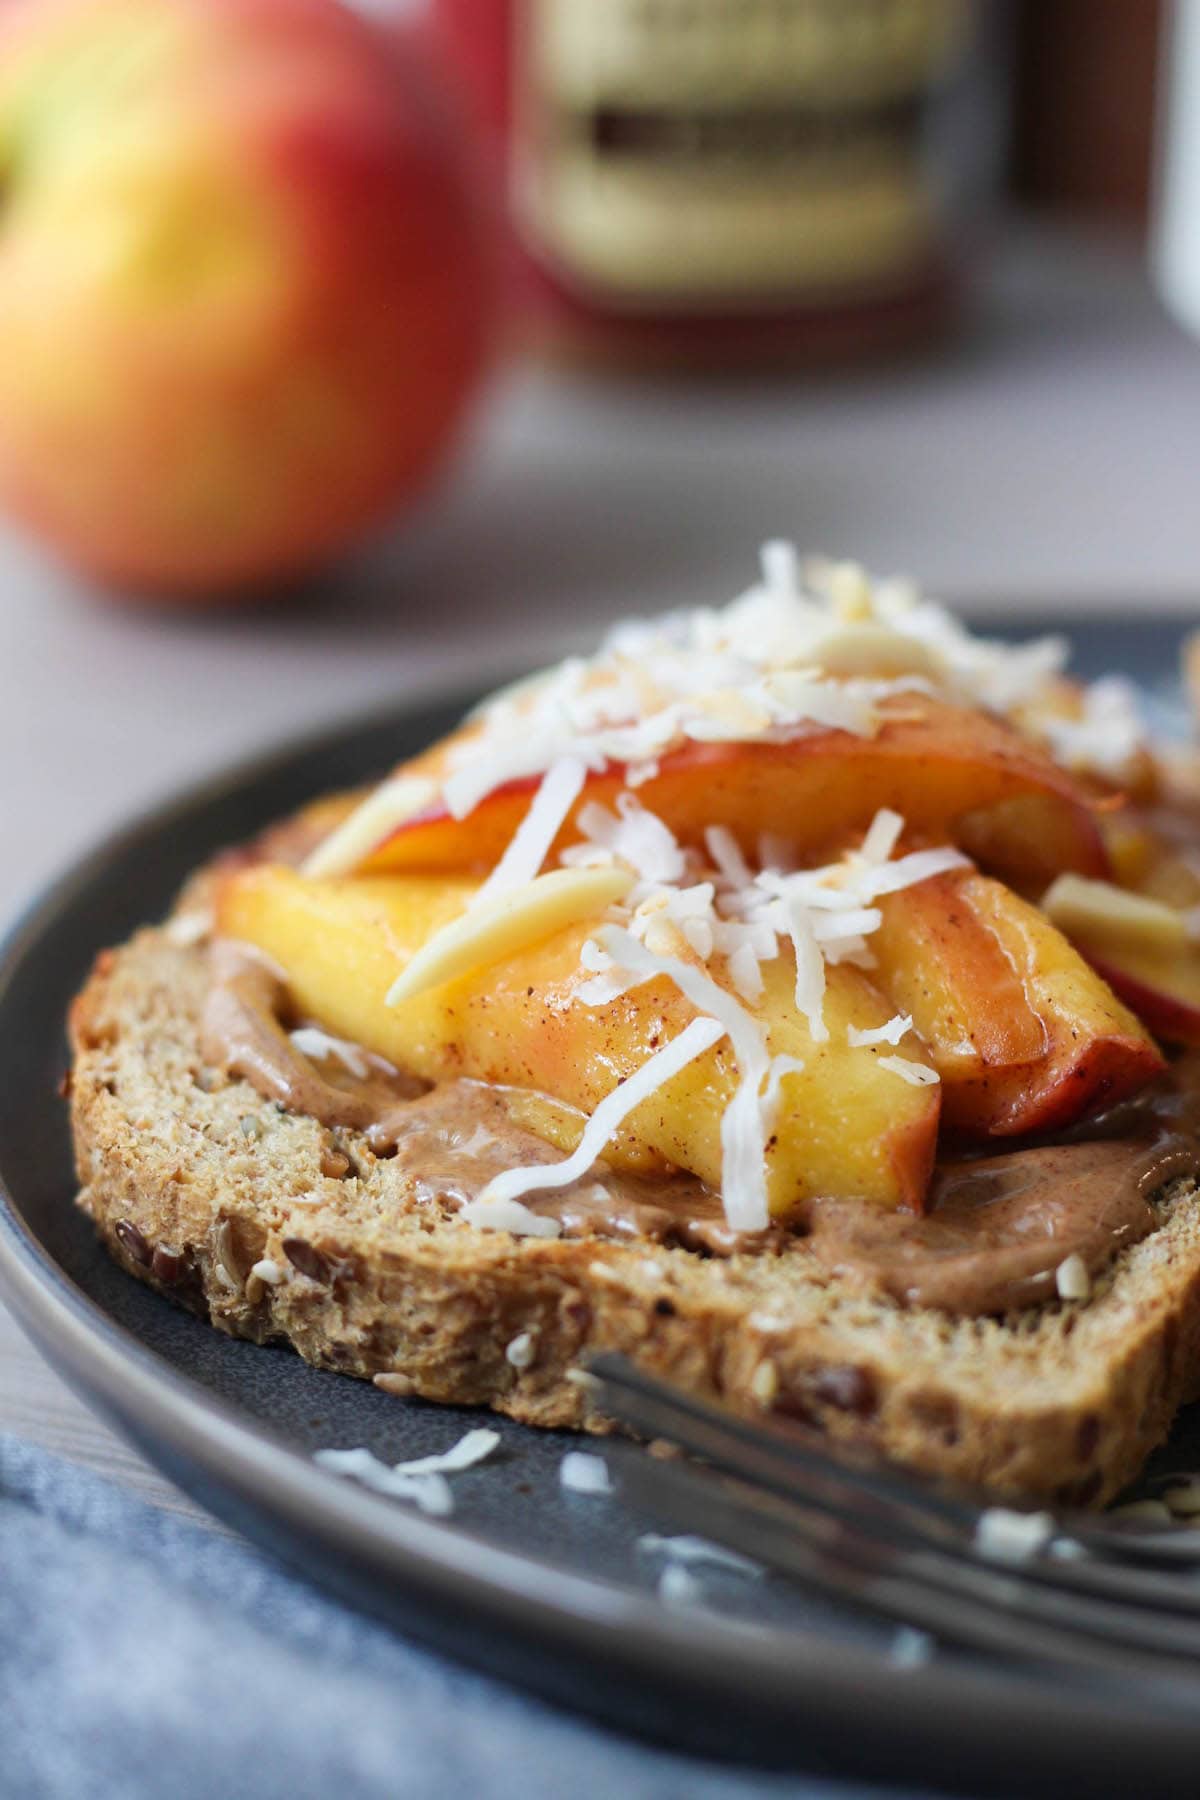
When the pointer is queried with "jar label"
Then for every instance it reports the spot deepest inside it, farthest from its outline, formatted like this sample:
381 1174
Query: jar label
708 152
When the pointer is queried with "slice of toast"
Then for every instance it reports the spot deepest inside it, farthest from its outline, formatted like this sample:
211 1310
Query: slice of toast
252 1217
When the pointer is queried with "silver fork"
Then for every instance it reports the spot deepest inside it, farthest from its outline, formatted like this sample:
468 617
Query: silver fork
858 1529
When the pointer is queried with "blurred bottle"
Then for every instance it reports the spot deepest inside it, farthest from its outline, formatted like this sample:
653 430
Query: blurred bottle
723 180
1176 244
1084 125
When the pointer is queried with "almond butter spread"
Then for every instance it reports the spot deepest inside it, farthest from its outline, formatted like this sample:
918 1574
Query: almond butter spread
243 1031
996 1230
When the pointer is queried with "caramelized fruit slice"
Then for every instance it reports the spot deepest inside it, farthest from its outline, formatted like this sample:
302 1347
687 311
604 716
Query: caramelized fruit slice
952 773
1026 1037
845 1125
1160 982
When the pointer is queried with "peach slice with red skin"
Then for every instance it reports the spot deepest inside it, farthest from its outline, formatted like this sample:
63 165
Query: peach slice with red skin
1162 986
1025 1036
1163 990
952 773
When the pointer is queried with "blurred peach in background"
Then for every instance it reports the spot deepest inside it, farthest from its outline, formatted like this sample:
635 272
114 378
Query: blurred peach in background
245 284
258 255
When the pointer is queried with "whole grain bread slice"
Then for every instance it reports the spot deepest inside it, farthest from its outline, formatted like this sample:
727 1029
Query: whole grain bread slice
280 1231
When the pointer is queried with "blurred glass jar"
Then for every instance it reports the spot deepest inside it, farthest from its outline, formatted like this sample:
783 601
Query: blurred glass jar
723 180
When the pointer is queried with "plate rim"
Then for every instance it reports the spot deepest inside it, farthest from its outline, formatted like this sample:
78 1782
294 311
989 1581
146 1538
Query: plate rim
160 1409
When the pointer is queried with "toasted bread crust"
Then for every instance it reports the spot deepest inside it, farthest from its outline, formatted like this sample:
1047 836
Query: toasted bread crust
192 1180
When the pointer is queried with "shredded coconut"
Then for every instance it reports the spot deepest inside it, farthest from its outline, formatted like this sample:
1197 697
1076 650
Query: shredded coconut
810 966
882 836
743 1143
1012 1537
778 662
1105 738
891 1033
634 836
502 1190
421 1480
310 1040
680 915
916 1074
745 972
697 1550
727 857
470 1449
811 647
582 1473
500 1213
781 1067
530 844
431 1493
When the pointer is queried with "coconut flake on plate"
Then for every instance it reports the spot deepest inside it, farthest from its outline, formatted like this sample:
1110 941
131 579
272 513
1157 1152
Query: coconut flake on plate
422 1479
473 1447
1005 1535
701 1551
431 1493
580 1472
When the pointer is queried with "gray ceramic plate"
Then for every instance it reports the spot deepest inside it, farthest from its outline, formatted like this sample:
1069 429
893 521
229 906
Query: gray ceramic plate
544 1587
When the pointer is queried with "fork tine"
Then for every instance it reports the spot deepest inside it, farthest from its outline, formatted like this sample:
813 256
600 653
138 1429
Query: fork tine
666 1411
969 1580
841 1564
883 1501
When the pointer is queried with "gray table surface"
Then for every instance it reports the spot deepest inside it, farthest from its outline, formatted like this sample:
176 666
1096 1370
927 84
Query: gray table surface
1047 462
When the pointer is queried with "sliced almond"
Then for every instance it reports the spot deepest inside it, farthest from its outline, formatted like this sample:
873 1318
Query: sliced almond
390 805
1100 913
875 650
508 923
